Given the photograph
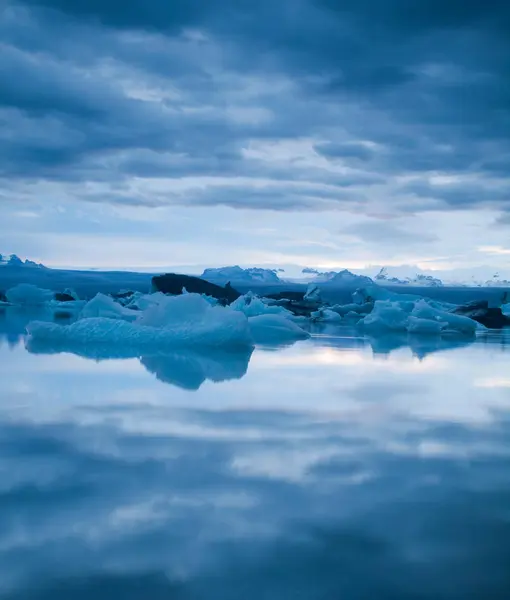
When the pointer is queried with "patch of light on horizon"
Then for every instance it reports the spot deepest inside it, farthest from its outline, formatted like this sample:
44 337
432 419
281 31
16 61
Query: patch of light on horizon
493 250
492 382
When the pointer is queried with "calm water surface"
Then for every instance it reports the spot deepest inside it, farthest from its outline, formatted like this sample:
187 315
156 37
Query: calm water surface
339 467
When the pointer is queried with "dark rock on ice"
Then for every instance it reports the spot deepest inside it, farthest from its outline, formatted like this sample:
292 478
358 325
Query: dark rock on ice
123 294
295 302
479 311
287 295
173 283
63 297
464 309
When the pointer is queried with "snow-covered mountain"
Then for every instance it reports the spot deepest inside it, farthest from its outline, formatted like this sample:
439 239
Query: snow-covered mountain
11 260
347 279
239 275
496 281
342 278
420 279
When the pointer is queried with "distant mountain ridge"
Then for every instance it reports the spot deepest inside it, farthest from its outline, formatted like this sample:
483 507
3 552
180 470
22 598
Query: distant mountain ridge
11 260
342 278
237 274
420 279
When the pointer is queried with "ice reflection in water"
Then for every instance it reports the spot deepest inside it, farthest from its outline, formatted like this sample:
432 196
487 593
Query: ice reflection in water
338 467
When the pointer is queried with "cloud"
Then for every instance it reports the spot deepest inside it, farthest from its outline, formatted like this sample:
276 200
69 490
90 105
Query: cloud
387 233
346 149
346 106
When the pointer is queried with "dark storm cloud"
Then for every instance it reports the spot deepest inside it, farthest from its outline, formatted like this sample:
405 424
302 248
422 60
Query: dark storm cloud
462 195
279 198
428 85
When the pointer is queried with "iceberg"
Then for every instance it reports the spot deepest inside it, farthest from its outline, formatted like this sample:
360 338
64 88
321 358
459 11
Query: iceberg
139 301
26 294
275 329
190 316
313 294
450 321
105 306
388 315
418 325
252 306
360 309
182 321
374 292
326 315
187 320
417 317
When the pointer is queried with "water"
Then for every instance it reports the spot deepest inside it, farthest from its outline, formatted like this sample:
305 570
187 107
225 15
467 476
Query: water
340 467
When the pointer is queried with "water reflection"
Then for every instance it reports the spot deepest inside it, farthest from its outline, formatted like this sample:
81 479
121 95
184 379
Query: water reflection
327 471
13 321
189 369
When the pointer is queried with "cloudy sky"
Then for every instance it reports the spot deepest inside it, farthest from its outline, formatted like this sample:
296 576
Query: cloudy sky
333 133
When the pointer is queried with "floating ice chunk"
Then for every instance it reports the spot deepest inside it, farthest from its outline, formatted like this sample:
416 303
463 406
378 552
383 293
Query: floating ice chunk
93 330
375 292
417 325
451 322
216 327
105 306
326 315
73 306
362 309
275 328
71 293
416 317
505 309
352 317
313 293
387 315
299 319
141 301
210 299
252 306
192 316
26 294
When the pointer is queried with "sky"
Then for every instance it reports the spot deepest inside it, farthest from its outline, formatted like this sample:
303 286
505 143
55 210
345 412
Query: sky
323 133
